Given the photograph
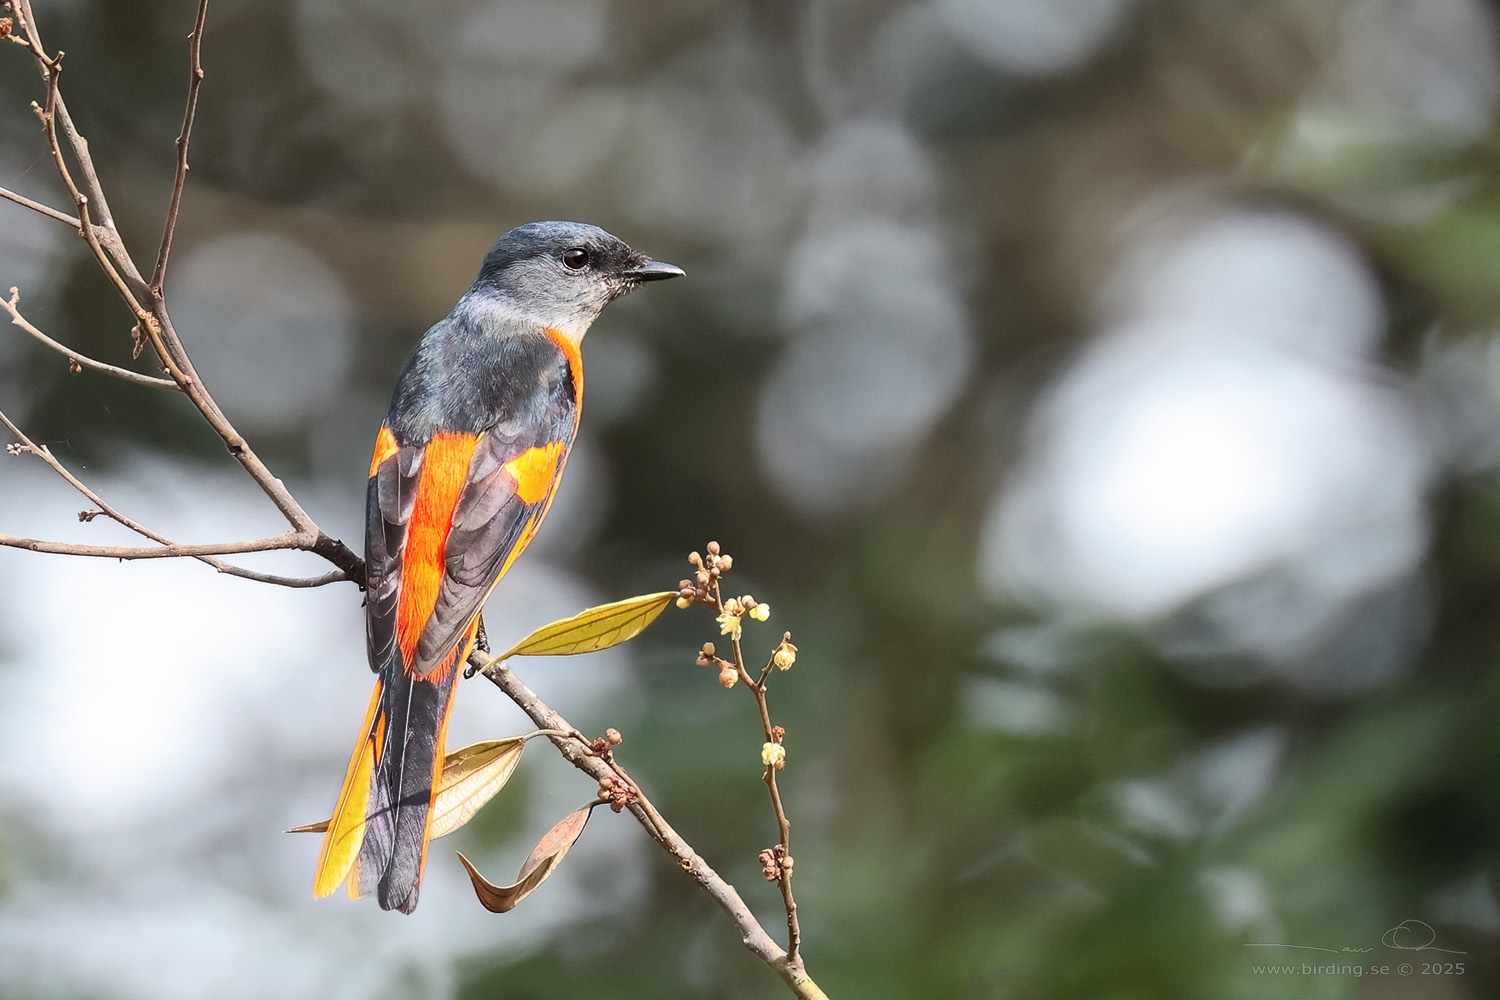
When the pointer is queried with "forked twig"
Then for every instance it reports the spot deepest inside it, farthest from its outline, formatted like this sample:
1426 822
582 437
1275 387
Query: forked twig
11 306
166 549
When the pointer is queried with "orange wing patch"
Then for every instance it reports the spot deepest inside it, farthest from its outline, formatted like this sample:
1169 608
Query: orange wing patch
385 447
535 470
445 470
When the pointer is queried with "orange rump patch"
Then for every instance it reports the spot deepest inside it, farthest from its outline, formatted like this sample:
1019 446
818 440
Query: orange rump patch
445 470
385 447
534 471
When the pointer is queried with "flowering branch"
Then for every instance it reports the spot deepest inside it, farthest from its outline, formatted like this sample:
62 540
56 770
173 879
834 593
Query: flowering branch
602 768
704 588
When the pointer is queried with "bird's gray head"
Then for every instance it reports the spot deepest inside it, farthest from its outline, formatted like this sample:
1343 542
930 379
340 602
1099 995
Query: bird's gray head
562 274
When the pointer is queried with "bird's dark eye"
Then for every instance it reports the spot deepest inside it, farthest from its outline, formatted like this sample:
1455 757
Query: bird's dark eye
576 259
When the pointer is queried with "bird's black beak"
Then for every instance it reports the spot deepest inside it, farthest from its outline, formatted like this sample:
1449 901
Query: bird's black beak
653 270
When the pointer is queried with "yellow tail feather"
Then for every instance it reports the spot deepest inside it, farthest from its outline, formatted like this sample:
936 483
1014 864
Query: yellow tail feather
346 830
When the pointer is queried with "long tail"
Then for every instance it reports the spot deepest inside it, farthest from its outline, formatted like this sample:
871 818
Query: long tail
379 830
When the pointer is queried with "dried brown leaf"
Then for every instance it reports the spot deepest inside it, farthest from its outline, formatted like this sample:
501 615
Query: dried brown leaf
540 864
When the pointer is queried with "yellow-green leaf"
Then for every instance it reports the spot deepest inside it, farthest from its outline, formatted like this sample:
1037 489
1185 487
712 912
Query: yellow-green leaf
595 629
471 777
539 866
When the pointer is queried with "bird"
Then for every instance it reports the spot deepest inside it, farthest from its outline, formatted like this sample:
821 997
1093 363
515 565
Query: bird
466 464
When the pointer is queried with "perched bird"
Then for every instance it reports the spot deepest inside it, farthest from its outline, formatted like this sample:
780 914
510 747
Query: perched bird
466 464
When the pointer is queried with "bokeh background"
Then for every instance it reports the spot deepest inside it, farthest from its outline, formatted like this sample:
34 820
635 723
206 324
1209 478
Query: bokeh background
1106 394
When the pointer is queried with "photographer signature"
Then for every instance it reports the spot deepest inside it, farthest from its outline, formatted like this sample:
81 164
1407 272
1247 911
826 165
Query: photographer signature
1408 935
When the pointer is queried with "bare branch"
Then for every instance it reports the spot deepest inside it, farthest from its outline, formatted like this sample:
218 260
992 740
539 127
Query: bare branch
295 582
9 305
168 548
195 79
52 70
155 325
165 551
37 206
78 143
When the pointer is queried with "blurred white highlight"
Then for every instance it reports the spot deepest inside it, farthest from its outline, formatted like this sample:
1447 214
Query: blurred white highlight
1224 427
1032 37
881 333
272 327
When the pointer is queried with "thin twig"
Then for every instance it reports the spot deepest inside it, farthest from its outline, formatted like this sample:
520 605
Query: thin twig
293 582
783 825
279 543
195 80
78 143
752 933
794 931
168 550
9 305
48 115
36 206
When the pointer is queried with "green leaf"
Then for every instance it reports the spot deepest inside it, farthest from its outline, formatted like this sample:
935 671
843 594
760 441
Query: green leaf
595 629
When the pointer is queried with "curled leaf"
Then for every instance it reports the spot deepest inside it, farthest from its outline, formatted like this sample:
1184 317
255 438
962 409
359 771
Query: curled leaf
539 865
595 629
471 777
